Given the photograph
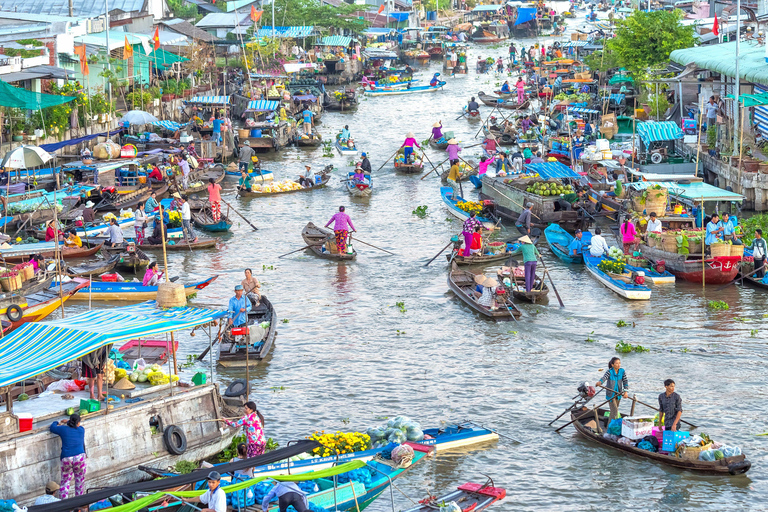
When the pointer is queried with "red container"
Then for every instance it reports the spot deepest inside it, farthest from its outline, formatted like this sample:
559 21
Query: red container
25 422
109 278
239 331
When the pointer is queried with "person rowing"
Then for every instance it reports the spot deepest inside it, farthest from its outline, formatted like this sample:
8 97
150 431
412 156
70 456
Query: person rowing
435 80
473 107
341 229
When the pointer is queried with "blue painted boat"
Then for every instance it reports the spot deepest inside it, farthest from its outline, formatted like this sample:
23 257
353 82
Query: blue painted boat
651 275
356 189
446 193
344 149
476 181
411 90
131 290
618 286
256 175
559 239
204 220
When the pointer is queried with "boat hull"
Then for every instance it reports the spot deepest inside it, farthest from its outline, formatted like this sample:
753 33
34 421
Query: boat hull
458 212
128 291
720 270
628 291
558 240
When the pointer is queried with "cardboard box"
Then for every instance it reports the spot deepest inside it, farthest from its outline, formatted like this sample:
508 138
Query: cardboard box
575 36
609 125
637 427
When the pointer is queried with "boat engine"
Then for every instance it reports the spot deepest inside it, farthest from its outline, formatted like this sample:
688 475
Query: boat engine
489 209
586 391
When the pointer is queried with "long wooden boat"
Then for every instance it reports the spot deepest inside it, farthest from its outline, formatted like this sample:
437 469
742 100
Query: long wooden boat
132 291
117 201
494 101
516 287
42 303
232 353
437 145
64 252
344 149
457 212
753 281
94 269
316 237
198 179
476 259
414 168
559 239
469 496
260 192
407 90
728 466
719 270
312 141
462 283
176 246
151 351
364 189
204 220
256 175
629 291
652 276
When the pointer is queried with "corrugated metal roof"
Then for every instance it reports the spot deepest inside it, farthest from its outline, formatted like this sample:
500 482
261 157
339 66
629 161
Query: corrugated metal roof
202 4
690 191
116 39
337 41
722 59
222 19
189 30
487 8
87 8
286 31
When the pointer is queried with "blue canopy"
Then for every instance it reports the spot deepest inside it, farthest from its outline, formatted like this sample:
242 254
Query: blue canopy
399 16
41 346
209 100
658 131
168 125
690 191
549 170
583 110
263 105
294 32
525 14
487 8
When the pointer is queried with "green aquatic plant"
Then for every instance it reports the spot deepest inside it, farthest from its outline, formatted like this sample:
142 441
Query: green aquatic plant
625 348
718 305
421 211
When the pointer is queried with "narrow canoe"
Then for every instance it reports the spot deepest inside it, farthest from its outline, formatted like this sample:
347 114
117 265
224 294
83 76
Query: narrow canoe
95 268
65 252
728 466
233 352
457 212
537 294
471 496
313 141
198 180
256 175
409 90
204 220
254 193
413 168
176 246
476 259
42 303
559 239
652 276
132 291
437 145
451 437
344 150
622 289
493 101
364 189
462 283
316 237
757 283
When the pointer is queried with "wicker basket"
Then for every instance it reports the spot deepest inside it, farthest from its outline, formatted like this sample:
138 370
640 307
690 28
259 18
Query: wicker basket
651 241
694 247
243 134
669 244
736 250
693 452
10 283
718 250
29 272
171 295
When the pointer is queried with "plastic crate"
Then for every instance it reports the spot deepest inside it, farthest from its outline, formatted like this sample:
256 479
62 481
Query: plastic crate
109 278
670 439
90 405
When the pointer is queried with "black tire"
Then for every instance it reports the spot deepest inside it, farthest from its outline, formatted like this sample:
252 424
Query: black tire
175 440
14 313
236 388
739 468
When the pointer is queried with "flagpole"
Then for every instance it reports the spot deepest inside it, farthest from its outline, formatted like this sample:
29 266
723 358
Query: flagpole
738 78
273 29
106 30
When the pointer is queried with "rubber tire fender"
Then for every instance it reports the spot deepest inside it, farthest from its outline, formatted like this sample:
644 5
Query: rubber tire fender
738 468
14 313
175 440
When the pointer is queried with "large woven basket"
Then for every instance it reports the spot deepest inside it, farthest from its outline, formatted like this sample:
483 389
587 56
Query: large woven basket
693 452
694 247
651 241
669 244
171 295
736 250
718 250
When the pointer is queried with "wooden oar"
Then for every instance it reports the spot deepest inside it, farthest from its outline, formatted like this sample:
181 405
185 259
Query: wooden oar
240 214
438 254
650 406
218 338
388 159
570 409
551 281
462 115
511 313
371 245
583 415
434 168
297 250
742 278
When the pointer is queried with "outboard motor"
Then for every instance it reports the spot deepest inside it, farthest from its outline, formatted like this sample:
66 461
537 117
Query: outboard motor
586 390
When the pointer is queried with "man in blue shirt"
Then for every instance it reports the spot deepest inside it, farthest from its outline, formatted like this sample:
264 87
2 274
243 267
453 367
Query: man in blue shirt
217 129
714 230
576 246
308 115
558 83
287 493
238 309
729 229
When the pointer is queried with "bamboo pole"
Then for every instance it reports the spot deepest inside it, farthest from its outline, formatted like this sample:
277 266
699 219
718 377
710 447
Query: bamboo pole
703 246
741 145
698 131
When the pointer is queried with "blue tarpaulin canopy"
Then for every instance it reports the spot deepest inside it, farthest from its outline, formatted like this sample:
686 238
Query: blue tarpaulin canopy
549 170
337 41
658 131
41 346
399 16
487 8
690 191
263 105
293 32
582 110
525 14
168 125
209 100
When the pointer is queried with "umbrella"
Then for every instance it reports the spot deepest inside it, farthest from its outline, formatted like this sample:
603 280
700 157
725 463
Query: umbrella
137 117
25 157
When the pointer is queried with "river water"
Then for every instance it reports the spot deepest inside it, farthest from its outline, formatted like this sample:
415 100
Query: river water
346 357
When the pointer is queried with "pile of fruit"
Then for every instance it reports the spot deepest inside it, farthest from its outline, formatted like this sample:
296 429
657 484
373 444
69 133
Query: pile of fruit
397 430
470 207
284 186
546 188
153 374
114 373
617 254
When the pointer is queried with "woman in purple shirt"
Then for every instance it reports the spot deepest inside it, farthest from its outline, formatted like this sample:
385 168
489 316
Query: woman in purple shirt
408 146
437 131
341 226
453 149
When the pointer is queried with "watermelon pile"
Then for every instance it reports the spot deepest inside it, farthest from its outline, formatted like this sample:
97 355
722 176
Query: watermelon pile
549 189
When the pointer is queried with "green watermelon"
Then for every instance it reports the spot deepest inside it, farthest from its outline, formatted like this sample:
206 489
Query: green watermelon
719 455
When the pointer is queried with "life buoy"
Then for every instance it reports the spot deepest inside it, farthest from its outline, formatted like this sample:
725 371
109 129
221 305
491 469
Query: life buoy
656 158
14 313
175 440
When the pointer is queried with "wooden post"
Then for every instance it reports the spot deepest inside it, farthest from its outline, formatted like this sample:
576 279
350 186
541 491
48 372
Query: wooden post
741 145
634 122
634 402
698 131
597 422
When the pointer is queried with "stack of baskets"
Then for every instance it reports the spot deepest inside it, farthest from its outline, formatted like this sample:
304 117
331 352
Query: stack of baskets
719 250
737 250
655 201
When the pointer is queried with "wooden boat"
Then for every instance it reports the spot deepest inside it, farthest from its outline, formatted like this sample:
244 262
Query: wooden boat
232 353
476 259
517 286
728 466
316 238
133 260
470 497
414 168
493 101
437 145
407 90
113 201
719 270
447 195
198 180
176 246
203 219
364 189
344 149
152 351
627 290
42 303
27 250
462 283
753 281
559 239
94 269
311 141
259 192
451 437
132 291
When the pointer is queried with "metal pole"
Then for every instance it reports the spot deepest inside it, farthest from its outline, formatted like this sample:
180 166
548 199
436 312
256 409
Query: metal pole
737 78
106 29
273 30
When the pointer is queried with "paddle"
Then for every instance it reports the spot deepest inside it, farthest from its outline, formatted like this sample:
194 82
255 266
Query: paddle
371 245
512 314
742 278
297 250
462 115
652 407
434 168
570 409
551 282
240 214
387 160
439 253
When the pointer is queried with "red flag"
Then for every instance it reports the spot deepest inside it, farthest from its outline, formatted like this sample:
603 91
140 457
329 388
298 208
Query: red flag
80 52
255 15
156 39
381 9
716 27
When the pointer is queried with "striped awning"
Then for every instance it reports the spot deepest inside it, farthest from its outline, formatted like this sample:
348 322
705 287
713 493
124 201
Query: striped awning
168 125
548 170
285 32
574 44
38 347
337 41
658 131
263 105
209 100
690 191
617 98
582 110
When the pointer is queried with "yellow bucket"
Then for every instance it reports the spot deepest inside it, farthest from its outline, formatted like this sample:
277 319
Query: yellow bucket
678 209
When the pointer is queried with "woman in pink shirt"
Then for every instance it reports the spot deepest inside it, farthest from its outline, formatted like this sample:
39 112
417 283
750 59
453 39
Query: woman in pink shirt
407 146
628 235
341 226
520 90
152 275
482 167
214 197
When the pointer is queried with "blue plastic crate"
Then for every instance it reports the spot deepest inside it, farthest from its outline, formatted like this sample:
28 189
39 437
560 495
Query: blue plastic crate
670 439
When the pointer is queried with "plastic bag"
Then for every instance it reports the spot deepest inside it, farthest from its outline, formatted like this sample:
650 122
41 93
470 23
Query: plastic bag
65 386
615 427
730 451
450 507
375 433
398 436
707 455
139 364
402 455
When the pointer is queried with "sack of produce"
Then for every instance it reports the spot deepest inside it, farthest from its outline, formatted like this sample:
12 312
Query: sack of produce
397 436
402 455
707 455
730 451
375 433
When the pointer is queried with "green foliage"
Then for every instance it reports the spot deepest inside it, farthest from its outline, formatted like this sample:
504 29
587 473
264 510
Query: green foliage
30 42
712 136
138 99
420 211
182 9
23 53
184 467
718 305
401 306
622 323
590 339
598 61
658 104
645 40
230 451
297 12
751 224
626 348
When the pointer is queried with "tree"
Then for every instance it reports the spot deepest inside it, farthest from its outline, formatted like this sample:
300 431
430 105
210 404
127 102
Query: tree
645 40
312 12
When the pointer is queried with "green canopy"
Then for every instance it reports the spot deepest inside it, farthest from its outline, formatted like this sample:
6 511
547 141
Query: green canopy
751 100
15 97
164 58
